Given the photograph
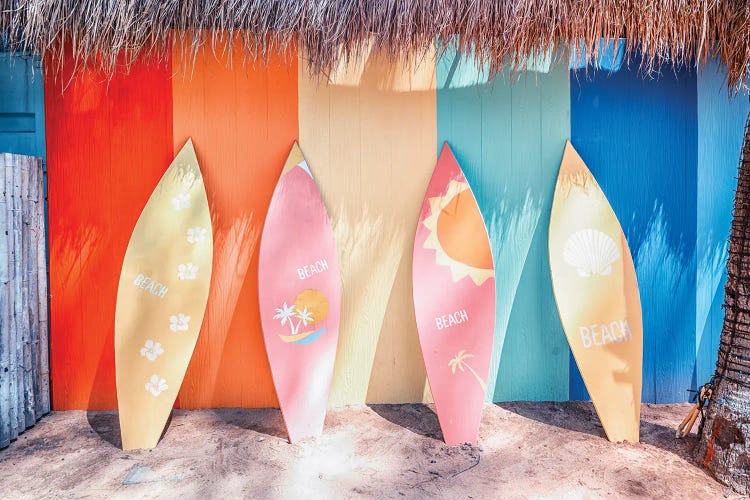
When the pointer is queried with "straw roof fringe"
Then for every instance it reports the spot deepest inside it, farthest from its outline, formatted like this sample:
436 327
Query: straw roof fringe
665 32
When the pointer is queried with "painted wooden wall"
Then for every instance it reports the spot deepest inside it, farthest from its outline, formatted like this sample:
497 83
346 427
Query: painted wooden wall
508 134
370 141
371 134
639 138
721 119
108 143
243 121
21 105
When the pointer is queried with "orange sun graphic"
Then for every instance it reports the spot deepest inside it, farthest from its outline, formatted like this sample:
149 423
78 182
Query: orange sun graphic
458 236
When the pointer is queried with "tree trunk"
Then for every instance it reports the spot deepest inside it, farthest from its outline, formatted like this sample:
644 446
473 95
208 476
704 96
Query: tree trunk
725 441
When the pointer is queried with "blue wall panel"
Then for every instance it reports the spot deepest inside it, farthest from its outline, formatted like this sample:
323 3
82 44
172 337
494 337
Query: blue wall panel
639 137
508 133
721 120
21 105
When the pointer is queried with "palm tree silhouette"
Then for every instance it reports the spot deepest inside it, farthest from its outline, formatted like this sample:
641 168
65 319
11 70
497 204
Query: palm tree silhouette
460 362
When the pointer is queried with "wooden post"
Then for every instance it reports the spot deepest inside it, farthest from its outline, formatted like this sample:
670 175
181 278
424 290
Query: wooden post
24 366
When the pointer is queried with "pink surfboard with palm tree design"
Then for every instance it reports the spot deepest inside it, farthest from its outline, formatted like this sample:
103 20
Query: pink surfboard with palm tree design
300 298
454 299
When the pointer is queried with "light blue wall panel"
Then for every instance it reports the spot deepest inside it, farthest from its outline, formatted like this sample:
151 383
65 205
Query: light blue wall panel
721 121
611 54
639 138
21 105
508 134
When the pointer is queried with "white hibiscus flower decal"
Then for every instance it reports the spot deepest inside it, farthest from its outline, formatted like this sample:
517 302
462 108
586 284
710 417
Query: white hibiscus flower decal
152 350
187 271
196 234
179 322
156 385
181 201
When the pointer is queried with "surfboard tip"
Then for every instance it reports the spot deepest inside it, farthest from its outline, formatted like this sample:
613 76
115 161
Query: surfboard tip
294 158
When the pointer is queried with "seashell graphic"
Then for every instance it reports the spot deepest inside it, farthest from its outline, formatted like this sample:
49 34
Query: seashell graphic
590 252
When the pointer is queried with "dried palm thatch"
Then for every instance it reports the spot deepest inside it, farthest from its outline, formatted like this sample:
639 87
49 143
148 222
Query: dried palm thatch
113 32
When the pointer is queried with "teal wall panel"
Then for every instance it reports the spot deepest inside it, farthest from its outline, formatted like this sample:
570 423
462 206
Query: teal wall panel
721 120
21 105
508 133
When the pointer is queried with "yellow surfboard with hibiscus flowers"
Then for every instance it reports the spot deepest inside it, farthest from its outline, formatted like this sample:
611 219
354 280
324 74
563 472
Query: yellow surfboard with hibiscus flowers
596 291
161 300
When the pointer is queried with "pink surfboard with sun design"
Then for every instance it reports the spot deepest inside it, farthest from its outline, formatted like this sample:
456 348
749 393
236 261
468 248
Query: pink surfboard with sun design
454 299
300 298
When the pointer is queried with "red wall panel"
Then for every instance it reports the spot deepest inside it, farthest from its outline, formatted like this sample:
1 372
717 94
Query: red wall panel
108 143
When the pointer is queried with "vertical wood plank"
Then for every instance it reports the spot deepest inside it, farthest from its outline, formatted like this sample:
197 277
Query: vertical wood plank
24 167
16 370
32 285
5 323
370 141
42 353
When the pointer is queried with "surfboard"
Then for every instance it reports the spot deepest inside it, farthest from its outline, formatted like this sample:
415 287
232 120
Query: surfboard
454 299
299 287
596 291
161 300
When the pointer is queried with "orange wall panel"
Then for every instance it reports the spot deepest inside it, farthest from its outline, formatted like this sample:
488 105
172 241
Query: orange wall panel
108 143
243 121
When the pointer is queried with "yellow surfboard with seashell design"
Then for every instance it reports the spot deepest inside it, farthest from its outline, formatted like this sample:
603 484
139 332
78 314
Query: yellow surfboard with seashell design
596 291
161 300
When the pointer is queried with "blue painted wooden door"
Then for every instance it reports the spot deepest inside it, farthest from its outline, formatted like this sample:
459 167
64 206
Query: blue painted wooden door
21 105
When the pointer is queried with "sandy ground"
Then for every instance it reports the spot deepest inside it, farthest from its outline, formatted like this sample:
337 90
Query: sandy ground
526 450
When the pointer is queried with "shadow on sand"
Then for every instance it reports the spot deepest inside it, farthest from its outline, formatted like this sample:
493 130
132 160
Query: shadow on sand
262 420
418 418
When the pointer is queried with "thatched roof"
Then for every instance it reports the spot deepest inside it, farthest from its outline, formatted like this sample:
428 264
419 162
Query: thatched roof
671 32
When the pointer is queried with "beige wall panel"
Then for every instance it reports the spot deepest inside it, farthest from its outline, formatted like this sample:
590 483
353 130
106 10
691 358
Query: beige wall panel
370 139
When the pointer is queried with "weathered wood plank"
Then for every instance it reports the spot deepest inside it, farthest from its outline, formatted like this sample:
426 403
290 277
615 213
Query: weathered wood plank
43 397
5 325
18 291
25 165
12 295
33 303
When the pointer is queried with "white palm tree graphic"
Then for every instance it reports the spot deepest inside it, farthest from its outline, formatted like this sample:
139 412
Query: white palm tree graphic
286 313
460 362
305 316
